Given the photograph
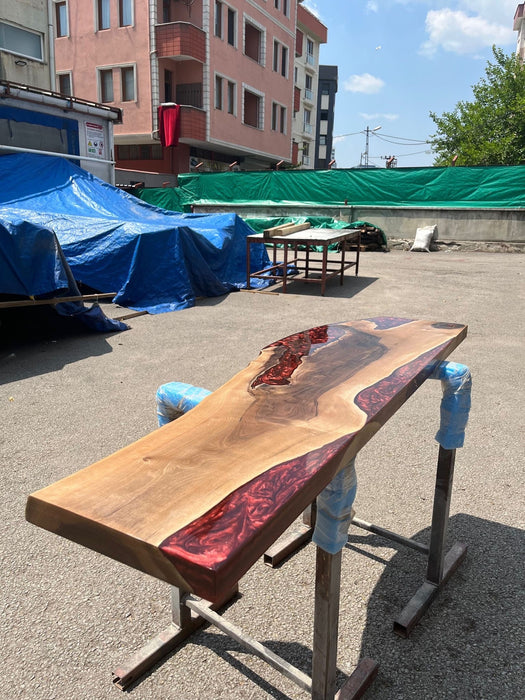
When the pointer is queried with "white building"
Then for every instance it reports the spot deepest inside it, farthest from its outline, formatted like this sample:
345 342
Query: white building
519 26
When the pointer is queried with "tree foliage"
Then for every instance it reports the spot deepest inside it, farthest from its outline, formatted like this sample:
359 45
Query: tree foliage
489 130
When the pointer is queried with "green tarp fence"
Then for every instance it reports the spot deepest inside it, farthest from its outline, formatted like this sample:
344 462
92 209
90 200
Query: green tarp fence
477 187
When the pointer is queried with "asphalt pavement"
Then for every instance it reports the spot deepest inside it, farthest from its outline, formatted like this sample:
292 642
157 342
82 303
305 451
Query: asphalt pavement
69 397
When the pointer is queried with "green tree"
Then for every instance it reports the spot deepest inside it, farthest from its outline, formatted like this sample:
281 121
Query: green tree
489 130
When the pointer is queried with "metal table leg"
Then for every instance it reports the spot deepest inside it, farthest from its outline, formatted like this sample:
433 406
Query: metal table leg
440 567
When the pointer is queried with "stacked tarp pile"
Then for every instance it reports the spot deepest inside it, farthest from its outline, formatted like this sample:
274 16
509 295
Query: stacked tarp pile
33 265
155 260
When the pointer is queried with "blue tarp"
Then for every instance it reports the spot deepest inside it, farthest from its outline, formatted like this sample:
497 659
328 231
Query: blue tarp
155 260
33 264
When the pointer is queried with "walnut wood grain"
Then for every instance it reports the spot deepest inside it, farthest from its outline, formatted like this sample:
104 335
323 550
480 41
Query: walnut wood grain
196 502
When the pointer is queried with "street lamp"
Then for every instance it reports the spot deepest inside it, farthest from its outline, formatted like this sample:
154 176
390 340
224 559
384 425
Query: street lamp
368 130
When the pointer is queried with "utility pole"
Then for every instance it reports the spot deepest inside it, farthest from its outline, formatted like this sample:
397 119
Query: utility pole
367 132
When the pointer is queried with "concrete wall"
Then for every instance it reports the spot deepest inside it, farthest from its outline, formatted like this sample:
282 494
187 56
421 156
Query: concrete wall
506 225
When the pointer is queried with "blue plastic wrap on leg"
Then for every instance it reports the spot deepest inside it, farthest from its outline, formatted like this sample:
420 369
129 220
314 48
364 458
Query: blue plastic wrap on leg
334 510
456 383
175 398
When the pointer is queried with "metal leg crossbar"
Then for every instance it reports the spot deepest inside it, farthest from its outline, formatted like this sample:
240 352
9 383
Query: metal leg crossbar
189 613
440 567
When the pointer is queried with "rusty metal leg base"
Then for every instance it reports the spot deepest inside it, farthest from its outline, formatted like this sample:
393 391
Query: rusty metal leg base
421 601
184 624
358 683
326 624
290 543
440 567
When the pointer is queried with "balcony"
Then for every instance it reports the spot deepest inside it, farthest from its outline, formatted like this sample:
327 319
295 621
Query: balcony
192 125
180 40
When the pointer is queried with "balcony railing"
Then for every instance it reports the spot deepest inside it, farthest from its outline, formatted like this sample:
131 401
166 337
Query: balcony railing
307 128
189 94
308 94
192 124
180 39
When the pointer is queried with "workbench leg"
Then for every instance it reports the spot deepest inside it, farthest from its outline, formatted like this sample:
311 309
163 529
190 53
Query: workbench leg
326 625
248 269
285 265
440 567
307 261
358 251
343 246
323 269
185 622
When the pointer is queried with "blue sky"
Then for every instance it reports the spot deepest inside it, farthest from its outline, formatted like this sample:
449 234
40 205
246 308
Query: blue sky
398 60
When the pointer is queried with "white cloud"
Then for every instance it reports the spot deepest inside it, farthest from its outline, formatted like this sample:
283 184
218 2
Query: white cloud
365 82
457 32
372 6
378 116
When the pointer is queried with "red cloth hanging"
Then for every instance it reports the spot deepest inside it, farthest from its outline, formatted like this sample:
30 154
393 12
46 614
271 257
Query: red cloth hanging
169 124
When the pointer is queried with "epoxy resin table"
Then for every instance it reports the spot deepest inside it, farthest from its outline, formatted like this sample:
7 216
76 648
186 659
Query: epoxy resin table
296 254
198 501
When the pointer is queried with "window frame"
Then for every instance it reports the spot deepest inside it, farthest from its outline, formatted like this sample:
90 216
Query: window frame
99 14
218 94
218 25
38 35
64 74
61 4
260 107
231 97
101 72
261 60
120 8
231 27
129 67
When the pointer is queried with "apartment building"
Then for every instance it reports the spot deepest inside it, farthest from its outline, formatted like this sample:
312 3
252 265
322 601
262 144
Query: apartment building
33 117
519 26
221 73
26 52
310 34
324 151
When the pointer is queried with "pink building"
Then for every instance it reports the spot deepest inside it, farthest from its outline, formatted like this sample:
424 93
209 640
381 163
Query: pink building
228 64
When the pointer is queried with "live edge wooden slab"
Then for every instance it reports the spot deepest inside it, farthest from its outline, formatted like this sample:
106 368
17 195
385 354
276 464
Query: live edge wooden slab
196 502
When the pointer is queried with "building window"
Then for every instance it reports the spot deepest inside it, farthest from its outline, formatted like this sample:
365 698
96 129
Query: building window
275 115
278 118
105 78
276 55
232 22
276 4
322 140
253 109
218 19
166 14
21 41
308 84
218 92
280 58
168 86
127 83
64 84
286 8
125 13
284 61
102 14
306 153
310 52
61 19
307 126
254 42
231 97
